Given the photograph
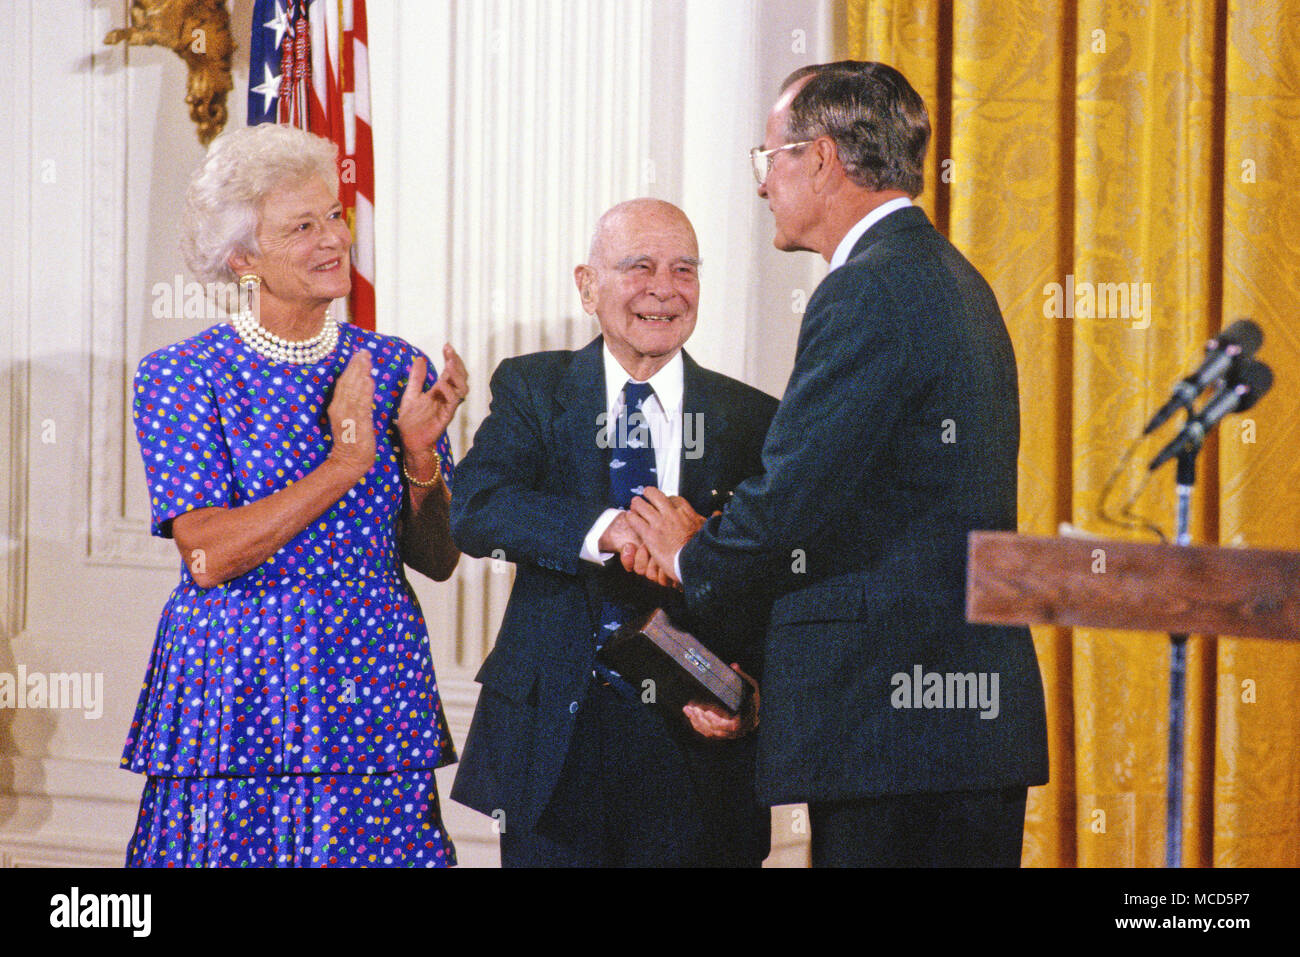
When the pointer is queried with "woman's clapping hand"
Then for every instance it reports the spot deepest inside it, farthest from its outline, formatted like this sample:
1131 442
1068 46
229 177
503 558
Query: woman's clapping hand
351 415
422 417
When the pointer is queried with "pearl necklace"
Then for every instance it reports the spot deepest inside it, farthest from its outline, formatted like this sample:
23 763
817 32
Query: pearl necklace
302 352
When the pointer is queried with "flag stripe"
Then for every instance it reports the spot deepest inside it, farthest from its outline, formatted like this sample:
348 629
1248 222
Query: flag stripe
361 78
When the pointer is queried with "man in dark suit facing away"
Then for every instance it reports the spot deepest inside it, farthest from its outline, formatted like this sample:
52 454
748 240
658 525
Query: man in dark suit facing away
912 734
578 767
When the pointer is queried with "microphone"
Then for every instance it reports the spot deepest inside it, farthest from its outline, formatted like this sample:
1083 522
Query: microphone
1239 341
1252 380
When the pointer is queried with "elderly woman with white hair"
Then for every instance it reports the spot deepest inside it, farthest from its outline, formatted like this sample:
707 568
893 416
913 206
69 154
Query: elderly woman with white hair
290 715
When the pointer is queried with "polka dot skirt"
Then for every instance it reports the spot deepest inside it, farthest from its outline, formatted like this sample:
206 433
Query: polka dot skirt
349 820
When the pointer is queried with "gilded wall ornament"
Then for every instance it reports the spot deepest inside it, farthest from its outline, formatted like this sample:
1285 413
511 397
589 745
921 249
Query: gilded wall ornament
199 33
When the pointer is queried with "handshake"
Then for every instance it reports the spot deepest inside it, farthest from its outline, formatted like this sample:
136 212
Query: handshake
648 536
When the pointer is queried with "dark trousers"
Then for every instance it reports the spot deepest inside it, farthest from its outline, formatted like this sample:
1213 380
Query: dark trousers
959 829
627 798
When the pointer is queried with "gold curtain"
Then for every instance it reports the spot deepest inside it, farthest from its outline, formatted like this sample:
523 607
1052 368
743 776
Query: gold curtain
1154 145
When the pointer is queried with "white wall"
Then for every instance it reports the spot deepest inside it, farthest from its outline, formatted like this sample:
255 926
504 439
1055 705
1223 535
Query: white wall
502 129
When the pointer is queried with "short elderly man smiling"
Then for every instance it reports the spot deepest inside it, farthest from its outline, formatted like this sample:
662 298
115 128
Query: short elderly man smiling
578 769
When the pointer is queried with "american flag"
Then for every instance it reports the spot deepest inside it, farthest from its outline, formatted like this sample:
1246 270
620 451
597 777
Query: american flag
309 66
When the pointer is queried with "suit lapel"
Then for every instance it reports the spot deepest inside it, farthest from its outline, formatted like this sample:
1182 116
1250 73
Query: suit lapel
704 435
581 395
582 463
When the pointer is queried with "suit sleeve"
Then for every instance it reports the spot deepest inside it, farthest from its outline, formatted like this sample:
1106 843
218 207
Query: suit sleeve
499 506
846 394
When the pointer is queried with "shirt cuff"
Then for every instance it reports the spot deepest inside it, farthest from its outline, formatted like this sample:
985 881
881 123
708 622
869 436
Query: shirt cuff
677 564
591 544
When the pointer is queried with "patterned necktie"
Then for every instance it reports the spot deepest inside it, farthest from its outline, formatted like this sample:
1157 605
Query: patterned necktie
632 451
631 469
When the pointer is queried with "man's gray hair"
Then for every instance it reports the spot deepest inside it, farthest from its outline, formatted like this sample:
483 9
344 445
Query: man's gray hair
878 122
223 204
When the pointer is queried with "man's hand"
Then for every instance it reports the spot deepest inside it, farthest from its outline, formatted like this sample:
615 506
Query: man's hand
617 535
636 559
620 538
664 525
711 721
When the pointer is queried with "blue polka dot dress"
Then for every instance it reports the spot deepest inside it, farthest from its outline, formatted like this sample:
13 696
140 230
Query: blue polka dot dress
289 717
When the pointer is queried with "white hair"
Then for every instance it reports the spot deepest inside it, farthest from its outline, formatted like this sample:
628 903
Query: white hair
223 205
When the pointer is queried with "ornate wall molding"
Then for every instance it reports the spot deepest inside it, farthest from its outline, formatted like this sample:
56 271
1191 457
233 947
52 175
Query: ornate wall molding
69 851
114 538
76 813
16 170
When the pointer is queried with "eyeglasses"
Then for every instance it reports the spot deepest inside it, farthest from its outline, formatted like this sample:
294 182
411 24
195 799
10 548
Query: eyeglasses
761 159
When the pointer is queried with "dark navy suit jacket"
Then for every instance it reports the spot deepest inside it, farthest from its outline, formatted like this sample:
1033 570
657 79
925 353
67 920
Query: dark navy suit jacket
532 485
897 435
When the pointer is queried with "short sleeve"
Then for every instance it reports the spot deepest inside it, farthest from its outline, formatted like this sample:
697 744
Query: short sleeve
186 459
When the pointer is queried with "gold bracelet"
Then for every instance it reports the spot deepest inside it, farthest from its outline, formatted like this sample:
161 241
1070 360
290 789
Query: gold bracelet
437 472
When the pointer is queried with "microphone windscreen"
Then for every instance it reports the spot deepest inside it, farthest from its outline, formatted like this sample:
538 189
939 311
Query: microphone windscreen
1244 334
1257 378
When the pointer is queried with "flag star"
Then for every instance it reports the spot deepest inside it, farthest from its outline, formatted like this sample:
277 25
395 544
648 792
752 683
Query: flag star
638 490
279 23
270 88
616 463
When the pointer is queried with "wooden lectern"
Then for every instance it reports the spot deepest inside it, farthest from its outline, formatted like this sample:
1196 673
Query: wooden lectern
1098 583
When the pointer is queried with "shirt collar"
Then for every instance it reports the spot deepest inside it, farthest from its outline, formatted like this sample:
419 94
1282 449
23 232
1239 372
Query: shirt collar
669 382
866 222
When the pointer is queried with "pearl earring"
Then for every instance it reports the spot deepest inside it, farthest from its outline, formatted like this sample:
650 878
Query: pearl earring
250 283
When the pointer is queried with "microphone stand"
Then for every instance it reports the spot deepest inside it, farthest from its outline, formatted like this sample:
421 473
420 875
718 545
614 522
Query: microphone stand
1186 480
1239 392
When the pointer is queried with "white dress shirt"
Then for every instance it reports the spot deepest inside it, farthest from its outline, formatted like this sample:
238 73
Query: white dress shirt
663 415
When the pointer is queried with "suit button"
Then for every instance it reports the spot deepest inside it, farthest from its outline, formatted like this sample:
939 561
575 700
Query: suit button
573 707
